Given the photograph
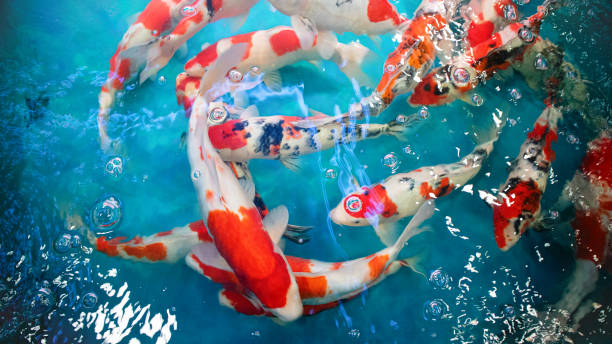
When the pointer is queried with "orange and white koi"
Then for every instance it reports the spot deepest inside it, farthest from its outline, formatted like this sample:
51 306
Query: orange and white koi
231 218
141 43
413 57
322 284
272 49
518 199
371 17
400 195
454 80
285 138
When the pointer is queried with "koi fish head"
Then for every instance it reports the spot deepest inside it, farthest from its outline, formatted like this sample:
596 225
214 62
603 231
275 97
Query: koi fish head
364 207
443 85
519 206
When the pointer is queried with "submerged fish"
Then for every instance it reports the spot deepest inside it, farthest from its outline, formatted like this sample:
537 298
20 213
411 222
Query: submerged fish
371 17
485 17
322 285
518 199
400 195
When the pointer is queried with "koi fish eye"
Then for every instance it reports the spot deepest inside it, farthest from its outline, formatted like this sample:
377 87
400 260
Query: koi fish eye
460 77
235 75
217 115
353 204
526 35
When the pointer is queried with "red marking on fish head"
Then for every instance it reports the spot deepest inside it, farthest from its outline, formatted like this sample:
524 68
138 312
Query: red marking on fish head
381 10
360 207
544 132
244 38
231 134
284 41
516 212
430 91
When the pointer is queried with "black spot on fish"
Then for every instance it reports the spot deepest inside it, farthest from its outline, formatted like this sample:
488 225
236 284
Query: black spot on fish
286 146
427 87
259 203
440 91
240 125
272 136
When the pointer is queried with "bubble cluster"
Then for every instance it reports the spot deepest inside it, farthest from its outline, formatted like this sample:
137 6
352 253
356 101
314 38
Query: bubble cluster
41 302
510 12
114 167
434 310
106 214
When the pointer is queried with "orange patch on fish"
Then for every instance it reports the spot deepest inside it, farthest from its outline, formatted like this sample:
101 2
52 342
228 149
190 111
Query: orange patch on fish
198 227
443 189
299 264
162 234
284 41
381 10
377 265
155 17
241 304
230 135
224 277
248 249
153 252
107 246
312 287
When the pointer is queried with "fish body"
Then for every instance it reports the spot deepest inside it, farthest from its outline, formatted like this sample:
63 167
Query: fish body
518 199
419 45
485 17
272 49
161 23
286 137
371 17
231 217
322 284
401 195
479 62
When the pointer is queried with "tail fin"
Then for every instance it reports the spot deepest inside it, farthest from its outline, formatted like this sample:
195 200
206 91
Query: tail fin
327 43
424 213
350 58
400 129
416 262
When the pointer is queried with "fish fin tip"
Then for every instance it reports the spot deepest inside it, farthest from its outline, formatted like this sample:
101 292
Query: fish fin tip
294 164
273 80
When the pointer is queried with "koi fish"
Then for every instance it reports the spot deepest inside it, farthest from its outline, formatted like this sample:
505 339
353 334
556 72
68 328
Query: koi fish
485 17
285 138
454 80
591 193
231 218
272 49
413 57
371 17
400 195
518 199
142 43
322 285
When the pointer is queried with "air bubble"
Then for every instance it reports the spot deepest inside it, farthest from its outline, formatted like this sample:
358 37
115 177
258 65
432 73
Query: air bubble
161 80
408 149
515 94
540 62
114 167
572 139
460 77
526 35
423 112
401 118
155 32
508 311
434 310
196 174
75 241
390 68
510 12
439 279
42 301
330 173
62 243
106 213
390 160
217 115
90 300
188 11
235 75
477 99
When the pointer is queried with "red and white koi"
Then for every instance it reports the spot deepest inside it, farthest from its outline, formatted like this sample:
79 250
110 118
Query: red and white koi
518 199
370 17
485 17
400 195
322 284
272 49
145 43
232 220
285 138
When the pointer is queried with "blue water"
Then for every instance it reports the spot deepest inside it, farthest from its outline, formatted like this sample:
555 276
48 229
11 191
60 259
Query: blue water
53 164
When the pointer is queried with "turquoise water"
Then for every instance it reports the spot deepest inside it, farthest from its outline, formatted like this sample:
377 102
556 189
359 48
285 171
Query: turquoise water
54 163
